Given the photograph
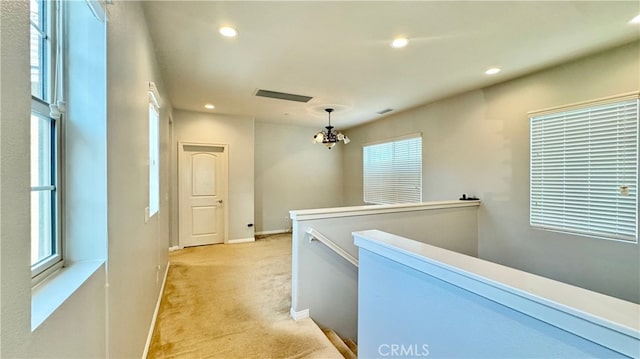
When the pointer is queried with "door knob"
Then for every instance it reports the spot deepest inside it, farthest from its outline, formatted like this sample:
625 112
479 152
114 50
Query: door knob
219 201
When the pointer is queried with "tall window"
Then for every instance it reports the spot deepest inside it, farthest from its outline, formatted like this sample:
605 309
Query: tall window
154 150
584 169
46 247
393 171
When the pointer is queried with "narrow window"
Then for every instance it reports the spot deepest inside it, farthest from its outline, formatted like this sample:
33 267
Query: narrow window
392 171
46 247
154 150
584 169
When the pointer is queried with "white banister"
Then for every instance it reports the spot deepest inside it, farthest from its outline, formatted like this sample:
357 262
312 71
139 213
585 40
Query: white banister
341 212
313 234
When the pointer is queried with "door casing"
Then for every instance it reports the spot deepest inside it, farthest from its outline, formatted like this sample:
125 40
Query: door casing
181 146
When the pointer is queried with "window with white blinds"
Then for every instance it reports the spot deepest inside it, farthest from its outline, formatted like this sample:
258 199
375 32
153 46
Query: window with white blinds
584 170
392 171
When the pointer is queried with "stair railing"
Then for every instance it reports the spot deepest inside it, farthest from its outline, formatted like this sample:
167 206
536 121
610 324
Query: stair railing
315 235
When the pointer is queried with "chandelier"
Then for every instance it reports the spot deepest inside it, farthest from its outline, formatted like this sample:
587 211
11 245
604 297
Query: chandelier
329 137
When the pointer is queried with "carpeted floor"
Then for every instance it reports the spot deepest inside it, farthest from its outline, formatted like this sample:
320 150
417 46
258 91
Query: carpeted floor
233 301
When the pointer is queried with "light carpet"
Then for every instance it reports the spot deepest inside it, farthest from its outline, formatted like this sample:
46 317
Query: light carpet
233 301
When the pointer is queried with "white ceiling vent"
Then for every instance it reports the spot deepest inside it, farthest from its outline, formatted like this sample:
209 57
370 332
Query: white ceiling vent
283 96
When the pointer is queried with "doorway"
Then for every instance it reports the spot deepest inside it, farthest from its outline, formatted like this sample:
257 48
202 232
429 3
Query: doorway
203 193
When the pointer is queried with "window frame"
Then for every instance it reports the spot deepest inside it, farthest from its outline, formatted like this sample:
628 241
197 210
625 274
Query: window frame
154 150
573 111
53 262
44 31
391 141
40 107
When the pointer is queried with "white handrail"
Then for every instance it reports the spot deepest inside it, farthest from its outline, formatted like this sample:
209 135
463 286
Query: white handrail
313 234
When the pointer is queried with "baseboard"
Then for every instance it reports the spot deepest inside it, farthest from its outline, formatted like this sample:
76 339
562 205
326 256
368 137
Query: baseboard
275 231
174 248
155 314
241 240
299 315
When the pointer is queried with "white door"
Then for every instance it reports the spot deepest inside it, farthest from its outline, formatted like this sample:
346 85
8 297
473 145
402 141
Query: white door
203 193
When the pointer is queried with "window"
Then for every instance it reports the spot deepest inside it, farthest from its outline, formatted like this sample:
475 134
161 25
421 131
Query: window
46 248
154 150
393 171
584 169
40 46
76 107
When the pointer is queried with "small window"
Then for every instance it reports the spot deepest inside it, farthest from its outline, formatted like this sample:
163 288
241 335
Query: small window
584 169
392 171
154 150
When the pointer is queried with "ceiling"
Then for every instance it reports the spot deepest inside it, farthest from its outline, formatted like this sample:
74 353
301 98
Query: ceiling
339 52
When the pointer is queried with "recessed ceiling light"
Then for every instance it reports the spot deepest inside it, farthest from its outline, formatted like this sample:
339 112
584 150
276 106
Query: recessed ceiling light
492 71
209 106
635 20
228 31
399 42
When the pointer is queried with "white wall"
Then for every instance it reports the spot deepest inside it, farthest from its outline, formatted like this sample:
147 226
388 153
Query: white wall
440 304
138 251
478 143
15 94
237 132
291 173
89 323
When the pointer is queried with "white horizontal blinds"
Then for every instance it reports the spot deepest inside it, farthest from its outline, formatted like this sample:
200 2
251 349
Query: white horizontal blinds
581 162
393 171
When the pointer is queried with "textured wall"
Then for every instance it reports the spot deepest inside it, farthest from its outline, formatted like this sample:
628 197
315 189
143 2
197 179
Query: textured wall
83 313
15 94
292 173
138 251
478 143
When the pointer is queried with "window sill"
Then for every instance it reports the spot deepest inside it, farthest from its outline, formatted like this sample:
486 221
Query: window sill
49 295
